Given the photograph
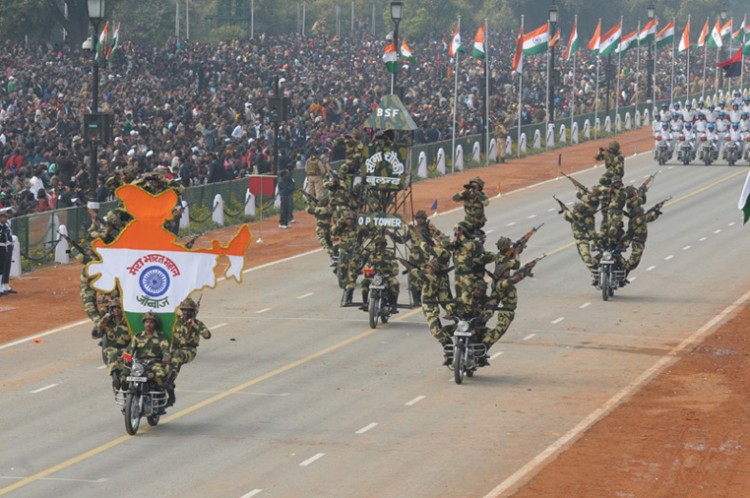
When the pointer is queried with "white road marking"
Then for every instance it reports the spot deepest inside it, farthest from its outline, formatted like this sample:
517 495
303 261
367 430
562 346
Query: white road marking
669 257
415 401
44 388
102 367
496 355
551 209
366 428
305 295
702 239
489 232
632 279
584 305
650 268
731 224
717 231
558 320
311 459
510 224
686 248
532 217
529 337
250 393
49 332
263 310
251 493
521 475
218 326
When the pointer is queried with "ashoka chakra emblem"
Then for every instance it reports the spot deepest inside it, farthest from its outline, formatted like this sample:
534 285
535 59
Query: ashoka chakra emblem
154 281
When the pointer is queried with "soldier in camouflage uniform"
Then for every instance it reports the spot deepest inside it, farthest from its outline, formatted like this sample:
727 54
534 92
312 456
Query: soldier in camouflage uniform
582 222
186 337
507 256
475 303
505 296
614 163
468 259
384 263
474 201
436 292
348 233
323 212
356 154
151 345
115 338
340 198
638 228
613 203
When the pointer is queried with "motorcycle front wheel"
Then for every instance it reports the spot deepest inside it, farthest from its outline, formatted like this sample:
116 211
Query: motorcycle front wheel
605 283
374 309
458 363
132 413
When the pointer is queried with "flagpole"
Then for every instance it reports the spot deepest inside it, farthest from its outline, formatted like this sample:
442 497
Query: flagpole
637 62
573 97
520 96
619 68
546 97
705 57
486 93
656 53
455 99
671 78
729 80
687 93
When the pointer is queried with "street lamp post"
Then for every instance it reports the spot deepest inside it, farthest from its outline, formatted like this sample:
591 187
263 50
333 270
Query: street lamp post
553 16
96 14
396 15
651 63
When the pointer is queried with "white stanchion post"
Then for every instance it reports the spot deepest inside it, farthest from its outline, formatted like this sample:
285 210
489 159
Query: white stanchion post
476 152
62 248
523 145
217 215
249 203
492 155
574 133
441 161
537 139
459 159
15 263
422 165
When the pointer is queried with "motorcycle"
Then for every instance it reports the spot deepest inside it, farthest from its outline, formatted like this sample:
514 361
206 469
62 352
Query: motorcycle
467 347
610 275
731 151
141 397
662 153
708 152
685 152
379 305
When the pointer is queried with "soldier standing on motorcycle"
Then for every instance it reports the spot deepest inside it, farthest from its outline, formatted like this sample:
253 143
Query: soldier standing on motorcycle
637 229
507 255
116 337
349 262
474 303
613 162
384 263
186 337
583 224
474 201
436 291
468 258
151 345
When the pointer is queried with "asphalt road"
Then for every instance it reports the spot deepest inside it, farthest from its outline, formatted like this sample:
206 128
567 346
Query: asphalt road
294 396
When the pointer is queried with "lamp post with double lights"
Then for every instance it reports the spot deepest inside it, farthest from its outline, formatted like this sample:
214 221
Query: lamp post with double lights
397 7
651 63
553 18
96 15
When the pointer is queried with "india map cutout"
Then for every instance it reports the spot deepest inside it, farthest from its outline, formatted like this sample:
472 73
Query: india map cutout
152 270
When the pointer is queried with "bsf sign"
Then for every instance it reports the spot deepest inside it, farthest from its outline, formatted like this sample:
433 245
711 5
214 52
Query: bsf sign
387 113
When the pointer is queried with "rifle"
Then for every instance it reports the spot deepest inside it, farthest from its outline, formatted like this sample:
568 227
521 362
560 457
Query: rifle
526 269
191 242
198 304
656 208
579 185
77 246
310 197
563 207
523 240
647 181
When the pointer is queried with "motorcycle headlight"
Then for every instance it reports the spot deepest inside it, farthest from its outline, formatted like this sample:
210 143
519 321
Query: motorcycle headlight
137 369
607 256
377 280
462 326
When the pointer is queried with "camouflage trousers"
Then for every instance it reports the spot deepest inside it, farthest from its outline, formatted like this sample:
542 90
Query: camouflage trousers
111 354
431 312
180 356
159 371
349 266
637 247
463 285
504 319
584 250
324 238
416 281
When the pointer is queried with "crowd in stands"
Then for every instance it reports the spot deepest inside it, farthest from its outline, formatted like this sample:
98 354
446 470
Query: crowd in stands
200 113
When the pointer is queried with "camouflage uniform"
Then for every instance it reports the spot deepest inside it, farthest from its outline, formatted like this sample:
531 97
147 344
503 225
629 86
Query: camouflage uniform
384 263
475 304
152 346
504 295
185 340
467 257
349 257
638 230
356 154
116 335
322 213
419 238
474 202
340 198
613 203
614 163
583 224
507 256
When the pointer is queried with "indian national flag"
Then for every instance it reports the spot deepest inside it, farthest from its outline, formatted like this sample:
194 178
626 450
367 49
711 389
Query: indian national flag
594 41
627 42
746 45
536 42
685 39
555 39
715 40
455 43
666 35
115 43
740 33
406 53
101 45
726 31
152 270
390 57
704 34
572 47
648 33
610 40
478 51
744 203
518 56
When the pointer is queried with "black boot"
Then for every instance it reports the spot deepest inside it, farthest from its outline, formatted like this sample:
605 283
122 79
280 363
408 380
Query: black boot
171 398
416 297
447 354
365 299
348 296
115 380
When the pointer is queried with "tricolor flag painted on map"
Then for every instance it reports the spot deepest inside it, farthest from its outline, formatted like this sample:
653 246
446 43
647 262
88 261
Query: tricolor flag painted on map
152 270
665 36
714 40
744 203
536 42
455 46
478 51
704 34
610 40
685 38
390 58
572 47
594 41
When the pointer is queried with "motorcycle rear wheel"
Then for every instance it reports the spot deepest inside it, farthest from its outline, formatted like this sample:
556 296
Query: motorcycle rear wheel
132 413
458 363
374 309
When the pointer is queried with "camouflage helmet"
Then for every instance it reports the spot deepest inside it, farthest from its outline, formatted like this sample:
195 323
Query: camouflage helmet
504 243
421 214
348 214
149 315
188 304
464 226
616 179
478 181
614 146
114 302
379 241
479 284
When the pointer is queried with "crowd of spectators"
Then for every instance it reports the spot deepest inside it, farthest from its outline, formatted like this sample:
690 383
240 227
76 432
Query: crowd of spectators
200 113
